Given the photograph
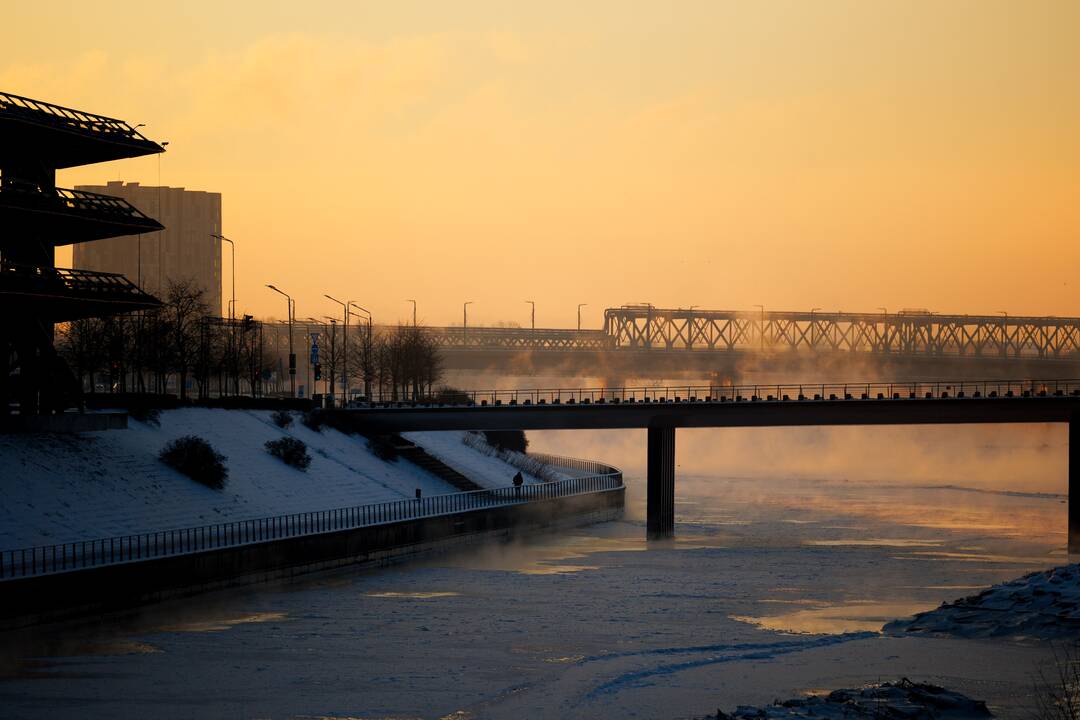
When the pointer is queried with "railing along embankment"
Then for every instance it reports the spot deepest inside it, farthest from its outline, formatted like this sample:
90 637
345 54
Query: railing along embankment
142 547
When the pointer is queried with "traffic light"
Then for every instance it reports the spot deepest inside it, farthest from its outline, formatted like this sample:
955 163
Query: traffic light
318 371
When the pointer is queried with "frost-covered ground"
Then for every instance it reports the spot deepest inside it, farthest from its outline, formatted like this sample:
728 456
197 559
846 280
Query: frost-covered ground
773 588
902 699
1038 606
56 488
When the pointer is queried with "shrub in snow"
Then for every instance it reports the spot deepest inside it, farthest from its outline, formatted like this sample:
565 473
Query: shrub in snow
194 457
313 420
512 440
282 418
291 451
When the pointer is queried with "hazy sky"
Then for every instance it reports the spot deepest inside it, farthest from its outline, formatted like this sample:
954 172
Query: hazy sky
843 155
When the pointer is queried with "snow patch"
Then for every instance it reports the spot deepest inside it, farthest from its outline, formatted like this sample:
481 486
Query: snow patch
1040 605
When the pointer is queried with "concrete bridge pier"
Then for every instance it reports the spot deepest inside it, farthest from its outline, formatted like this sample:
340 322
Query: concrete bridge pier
660 494
1074 488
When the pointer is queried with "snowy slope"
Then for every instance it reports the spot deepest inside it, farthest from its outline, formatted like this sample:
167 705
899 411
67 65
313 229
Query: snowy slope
488 472
57 488
1044 605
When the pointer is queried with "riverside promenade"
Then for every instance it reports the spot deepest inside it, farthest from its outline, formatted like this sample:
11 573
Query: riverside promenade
50 582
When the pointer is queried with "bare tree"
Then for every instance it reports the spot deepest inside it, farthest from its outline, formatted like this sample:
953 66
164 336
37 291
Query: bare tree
79 342
185 306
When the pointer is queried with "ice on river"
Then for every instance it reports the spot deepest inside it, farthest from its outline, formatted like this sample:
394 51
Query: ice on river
772 588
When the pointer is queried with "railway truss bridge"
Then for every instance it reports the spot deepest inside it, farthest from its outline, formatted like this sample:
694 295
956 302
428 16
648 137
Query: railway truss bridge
652 341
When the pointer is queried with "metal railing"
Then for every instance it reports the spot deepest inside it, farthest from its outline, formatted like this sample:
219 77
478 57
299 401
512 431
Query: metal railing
782 392
65 282
44 113
95 205
79 555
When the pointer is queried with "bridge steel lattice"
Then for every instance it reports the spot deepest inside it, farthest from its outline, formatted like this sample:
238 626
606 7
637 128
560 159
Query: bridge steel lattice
927 334
905 333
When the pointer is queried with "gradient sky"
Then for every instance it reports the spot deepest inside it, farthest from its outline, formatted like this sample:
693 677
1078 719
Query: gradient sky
844 154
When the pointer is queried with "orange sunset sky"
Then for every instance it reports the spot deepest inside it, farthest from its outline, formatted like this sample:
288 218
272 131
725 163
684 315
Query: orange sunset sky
836 154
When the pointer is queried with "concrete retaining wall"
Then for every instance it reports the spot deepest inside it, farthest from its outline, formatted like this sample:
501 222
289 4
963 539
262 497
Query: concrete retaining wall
47 598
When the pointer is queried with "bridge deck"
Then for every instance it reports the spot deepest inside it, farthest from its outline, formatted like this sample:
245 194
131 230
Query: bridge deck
662 418
746 413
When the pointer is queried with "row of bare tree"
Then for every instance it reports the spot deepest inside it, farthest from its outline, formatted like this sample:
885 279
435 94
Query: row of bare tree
399 363
167 349
181 344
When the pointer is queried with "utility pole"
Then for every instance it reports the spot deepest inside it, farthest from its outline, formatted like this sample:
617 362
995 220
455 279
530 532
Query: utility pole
533 315
465 321
580 305
367 351
232 300
292 355
413 311
345 359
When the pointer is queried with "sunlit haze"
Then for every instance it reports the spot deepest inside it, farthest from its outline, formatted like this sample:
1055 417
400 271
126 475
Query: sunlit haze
846 155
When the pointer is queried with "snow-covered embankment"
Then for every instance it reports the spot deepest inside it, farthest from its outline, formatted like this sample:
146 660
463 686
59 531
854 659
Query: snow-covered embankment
63 488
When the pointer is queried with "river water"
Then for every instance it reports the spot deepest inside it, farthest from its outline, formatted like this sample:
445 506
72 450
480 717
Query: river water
792 549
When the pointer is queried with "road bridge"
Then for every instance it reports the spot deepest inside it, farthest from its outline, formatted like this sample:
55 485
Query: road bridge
661 411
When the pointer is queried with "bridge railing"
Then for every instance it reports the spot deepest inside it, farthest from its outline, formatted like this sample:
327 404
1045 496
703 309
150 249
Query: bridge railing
762 392
66 557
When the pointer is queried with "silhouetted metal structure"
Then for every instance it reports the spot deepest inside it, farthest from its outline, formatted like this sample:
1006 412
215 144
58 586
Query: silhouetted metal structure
909 332
37 139
904 333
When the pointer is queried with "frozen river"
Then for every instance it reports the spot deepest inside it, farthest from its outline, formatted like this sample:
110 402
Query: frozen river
783 568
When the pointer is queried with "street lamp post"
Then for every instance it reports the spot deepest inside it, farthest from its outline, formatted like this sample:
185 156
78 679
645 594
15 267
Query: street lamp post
367 350
292 355
413 311
465 320
532 321
345 359
333 351
232 247
580 305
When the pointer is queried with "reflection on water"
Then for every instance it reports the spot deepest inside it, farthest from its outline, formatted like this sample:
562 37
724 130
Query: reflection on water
218 624
875 542
548 554
858 616
109 648
977 557
417 594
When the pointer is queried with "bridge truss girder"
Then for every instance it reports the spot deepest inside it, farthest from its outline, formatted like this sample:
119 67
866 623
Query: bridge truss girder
916 334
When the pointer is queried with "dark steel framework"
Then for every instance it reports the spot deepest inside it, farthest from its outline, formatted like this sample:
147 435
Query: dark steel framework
36 139
905 334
